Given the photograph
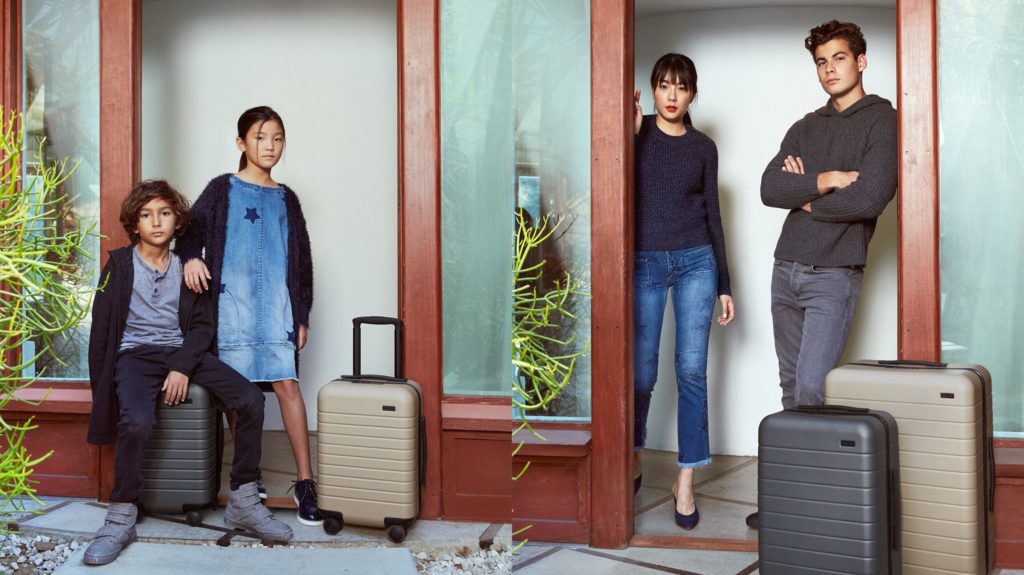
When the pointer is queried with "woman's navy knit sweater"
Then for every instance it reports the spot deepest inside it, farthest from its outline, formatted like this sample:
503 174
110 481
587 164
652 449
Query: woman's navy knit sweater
677 194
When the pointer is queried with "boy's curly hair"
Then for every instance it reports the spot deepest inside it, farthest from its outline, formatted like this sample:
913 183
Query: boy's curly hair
143 193
834 29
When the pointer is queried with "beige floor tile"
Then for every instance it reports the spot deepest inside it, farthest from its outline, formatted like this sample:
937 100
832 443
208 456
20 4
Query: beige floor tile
721 519
704 562
660 468
739 485
649 497
571 561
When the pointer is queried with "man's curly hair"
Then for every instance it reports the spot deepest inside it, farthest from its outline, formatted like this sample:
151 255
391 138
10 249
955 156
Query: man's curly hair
145 192
834 29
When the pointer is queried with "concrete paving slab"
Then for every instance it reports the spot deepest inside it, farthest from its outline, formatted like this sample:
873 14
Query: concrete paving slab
691 560
572 561
73 518
174 559
533 552
80 519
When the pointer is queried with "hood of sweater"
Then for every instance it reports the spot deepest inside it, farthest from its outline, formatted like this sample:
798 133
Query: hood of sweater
864 103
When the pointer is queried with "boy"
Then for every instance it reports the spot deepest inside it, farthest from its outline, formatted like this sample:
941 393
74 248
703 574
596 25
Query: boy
835 173
150 334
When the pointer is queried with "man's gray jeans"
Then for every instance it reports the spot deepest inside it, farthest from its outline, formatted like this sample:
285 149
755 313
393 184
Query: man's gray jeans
812 310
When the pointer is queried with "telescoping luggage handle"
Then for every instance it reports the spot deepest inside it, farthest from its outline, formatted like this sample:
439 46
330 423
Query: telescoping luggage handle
907 363
357 344
399 376
832 409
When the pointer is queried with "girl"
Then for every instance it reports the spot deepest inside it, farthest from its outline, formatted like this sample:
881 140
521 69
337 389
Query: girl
680 247
248 241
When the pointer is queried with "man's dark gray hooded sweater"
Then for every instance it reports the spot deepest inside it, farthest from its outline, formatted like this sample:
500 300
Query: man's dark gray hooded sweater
836 232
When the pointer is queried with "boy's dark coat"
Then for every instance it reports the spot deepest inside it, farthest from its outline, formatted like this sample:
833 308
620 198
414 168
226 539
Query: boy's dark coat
109 316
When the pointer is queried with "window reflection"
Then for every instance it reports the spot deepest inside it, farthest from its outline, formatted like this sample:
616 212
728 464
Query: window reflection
981 164
60 88
515 133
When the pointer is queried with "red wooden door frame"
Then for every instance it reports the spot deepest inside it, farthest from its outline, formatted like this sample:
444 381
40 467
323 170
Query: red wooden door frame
611 242
918 299
918 203
120 139
10 56
611 268
419 223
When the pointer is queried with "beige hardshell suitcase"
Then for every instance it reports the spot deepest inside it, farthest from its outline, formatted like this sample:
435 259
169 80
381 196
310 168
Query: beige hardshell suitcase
370 452
944 413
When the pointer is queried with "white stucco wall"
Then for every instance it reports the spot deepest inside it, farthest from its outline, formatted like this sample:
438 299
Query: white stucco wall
329 69
755 80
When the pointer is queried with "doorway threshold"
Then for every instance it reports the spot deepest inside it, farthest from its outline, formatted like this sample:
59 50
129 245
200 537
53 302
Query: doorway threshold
726 493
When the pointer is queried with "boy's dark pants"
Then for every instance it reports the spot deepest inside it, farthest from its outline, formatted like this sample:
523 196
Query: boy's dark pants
139 374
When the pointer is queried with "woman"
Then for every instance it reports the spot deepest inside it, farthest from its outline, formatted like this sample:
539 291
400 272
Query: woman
680 248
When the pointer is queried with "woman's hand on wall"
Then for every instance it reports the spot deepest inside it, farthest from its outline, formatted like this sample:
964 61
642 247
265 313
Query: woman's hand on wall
638 113
728 310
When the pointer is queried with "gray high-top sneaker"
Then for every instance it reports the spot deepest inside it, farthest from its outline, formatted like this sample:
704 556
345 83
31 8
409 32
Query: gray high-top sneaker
117 532
246 511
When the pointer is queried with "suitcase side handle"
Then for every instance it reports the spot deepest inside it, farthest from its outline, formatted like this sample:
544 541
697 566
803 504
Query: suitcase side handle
357 342
895 510
831 409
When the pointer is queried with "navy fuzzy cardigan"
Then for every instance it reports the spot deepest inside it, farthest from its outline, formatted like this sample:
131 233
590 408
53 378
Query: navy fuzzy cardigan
206 233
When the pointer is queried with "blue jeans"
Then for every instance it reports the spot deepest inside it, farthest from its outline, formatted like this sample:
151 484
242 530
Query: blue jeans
692 276
812 310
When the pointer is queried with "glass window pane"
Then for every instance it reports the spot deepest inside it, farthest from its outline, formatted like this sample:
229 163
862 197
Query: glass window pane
515 135
981 163
61 120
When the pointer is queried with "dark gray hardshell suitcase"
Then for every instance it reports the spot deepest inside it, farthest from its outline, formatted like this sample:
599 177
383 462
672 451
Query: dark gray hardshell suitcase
828 492
181 462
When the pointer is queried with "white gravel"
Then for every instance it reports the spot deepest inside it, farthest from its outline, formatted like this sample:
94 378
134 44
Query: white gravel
28 555
465 562
41 555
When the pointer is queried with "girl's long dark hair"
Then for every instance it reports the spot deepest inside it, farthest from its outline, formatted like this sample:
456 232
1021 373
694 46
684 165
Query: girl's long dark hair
678 69
259 114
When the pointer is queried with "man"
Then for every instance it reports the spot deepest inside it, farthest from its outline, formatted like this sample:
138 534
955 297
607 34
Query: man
835 172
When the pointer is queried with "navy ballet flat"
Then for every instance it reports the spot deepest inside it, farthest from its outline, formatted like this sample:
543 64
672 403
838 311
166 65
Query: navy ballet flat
687 522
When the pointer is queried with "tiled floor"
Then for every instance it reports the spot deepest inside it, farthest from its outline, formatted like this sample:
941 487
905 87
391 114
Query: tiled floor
540 559
559 560
726 494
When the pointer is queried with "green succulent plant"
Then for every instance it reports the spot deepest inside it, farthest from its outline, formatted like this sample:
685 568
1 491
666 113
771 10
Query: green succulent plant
543 361
43 294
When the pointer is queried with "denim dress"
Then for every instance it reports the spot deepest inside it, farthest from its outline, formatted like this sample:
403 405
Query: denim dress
256 333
